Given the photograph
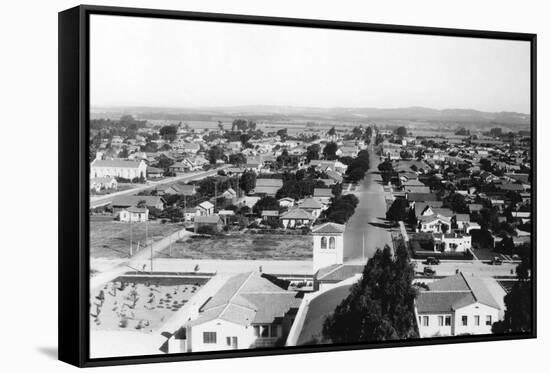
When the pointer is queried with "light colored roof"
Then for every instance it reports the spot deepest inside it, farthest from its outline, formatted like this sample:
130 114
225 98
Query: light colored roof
270 213
322 192
454 292
207 219
269 183
297 214
119 163
134 200
206 205
329 228
311 203
338 272
137 209
248 298
462 217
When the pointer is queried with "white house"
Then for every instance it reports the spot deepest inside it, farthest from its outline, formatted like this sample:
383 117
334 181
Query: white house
205 208
452 242
434 223
118 168
297 218
328 245
134 214
457 305
249 311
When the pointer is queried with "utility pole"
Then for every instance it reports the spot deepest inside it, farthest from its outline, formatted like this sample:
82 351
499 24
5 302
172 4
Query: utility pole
363 247
130 222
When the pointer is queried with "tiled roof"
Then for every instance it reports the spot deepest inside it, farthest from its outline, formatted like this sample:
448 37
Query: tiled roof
248 298
311 203
322 192
454 292
329 228
338 272
297 214
119 163
269 183
127 201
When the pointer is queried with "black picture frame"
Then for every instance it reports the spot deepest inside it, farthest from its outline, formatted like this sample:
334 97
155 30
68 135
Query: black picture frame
74 182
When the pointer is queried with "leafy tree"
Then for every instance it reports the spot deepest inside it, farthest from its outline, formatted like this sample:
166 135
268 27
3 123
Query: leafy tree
405 154
220 126
169 133
247 182
237 159
266 203
283 134
312 152
329 151
380 306
215 153
331 132
401 131
457 203
386 171
398 210
124 152
164 162
518 314
244 138
149 147
341 209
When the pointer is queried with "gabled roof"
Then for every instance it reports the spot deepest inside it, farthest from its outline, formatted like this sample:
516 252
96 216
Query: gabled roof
207 219
454 292
311 203
207 205
329 228
338 272
322 192
420 197
269 182
248 298
270 213
126 201
118 163
297 214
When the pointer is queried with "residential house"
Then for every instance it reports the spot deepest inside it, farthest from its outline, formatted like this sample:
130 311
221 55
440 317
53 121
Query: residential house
323 195
286 202
312 206
134 214
267 187
452 242
215 222
155 173
296 218
120 203
458 305
270 215
205 208
251 310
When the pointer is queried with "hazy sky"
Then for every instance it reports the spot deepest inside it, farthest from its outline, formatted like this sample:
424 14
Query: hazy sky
175 63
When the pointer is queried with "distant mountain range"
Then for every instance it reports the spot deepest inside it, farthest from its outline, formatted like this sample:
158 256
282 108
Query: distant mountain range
268 112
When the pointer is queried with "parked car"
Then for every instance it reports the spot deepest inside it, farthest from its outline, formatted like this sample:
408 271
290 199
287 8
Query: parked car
496 261
432 260
429 271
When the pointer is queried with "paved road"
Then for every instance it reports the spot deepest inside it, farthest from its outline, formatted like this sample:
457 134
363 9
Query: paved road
96 201
365 221
448 268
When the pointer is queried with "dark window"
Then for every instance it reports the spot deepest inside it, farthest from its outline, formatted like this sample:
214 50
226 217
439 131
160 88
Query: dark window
209 337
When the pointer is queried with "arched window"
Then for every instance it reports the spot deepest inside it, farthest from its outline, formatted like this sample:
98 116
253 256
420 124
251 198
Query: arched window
332 243
323 242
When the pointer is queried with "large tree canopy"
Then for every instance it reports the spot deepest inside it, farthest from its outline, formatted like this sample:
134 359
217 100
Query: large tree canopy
380 306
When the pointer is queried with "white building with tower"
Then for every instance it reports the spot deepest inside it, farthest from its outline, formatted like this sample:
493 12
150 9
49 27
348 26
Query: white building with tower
328 245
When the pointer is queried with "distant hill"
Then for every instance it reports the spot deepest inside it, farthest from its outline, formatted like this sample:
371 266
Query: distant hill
267 112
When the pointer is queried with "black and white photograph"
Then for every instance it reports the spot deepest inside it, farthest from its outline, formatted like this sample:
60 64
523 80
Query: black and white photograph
256 186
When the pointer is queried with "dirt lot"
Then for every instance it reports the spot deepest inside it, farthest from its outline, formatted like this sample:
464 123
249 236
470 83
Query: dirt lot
111 239
244 246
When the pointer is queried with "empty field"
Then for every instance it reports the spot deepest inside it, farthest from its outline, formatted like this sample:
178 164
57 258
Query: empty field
244 247
111 239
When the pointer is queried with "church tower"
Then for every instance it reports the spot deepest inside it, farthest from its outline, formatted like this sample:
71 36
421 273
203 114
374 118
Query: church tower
328 245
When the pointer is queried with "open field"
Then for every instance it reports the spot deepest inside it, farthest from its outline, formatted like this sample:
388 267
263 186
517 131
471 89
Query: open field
111 239
244 247
139 304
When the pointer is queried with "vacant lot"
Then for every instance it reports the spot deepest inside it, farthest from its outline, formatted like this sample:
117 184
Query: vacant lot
111 239
244 246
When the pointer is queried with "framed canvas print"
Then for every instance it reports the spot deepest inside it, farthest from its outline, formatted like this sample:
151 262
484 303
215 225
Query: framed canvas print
234 186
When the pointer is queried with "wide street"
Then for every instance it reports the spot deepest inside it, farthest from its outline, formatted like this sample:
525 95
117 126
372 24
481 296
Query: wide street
366 225
96 201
